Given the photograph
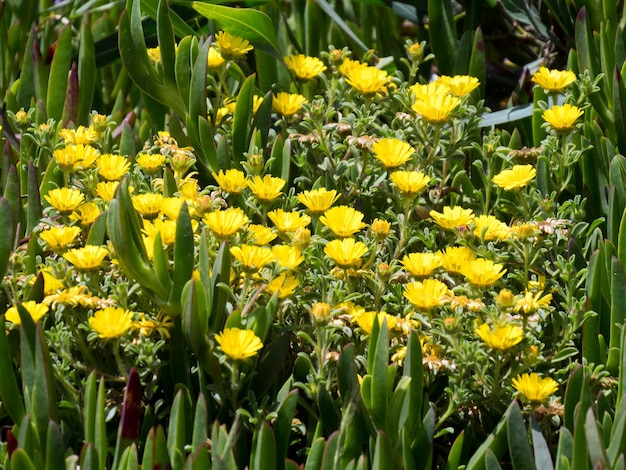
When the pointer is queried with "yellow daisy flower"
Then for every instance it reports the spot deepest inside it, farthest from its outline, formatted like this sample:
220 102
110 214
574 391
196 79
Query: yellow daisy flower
421 264
58 238
167 229
346 253
482 272
232 47
87 213
288 257
231 181
267 188
80 135
288 222
317 201
409 183
454 258
562 118
171 206
488 227
252 257
112 167
284 284
260 234
348 65
304 67
392 152
239 344
531 303
535 388
501 337
368 80
553 81
288 104
380 229
226 222
215 60
148 204
88 258
343 221
460 85
106 190
151 163
366 321
65 200
452 217
75 157
425 295
111 322
36 311
436 109
515 178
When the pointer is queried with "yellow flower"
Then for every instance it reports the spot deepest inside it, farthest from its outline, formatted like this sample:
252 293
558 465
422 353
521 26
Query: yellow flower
535 388
170 207
380 229
154 54
421 264
112 167
460 85
436 109
530 303
111 322
410 182
515 178
366 321
553 81
346 253
488 227
288 104
562 118
266 189
148 204
232 47
189 190
502 337
288 257
231 181
215 59
106 190
452 217
368 80
320 311
301 238
343 221
427 294
80 135
238 344
225 223
73 297
252 257
167 229
284 284
88 258
150 162
523 230
50 283
304 67
57 238
454 258
348 65
260 234
35 310
392 152
422 92
317 201
75 157
87 213
65 200
288 222
161 324
482 272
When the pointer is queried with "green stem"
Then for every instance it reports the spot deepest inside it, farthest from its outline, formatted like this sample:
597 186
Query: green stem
84 349
403 228
118 359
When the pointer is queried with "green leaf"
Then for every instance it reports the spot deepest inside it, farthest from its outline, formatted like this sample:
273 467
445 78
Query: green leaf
59 72
383 452
6 235
98 230
55 450
27 89
177 431
443 38
595 446
86 71
241 120
33 209
20 460
456 452
9 391
565 450
315 455
495 445
330 11
200 423
263 448
246 23
330 452
282 426
519 449
184 254
618 314
167 41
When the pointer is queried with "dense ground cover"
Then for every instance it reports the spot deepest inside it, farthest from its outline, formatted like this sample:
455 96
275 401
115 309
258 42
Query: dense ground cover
342 262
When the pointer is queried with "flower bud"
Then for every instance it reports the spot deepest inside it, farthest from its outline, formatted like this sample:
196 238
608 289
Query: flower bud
302 238
320 311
